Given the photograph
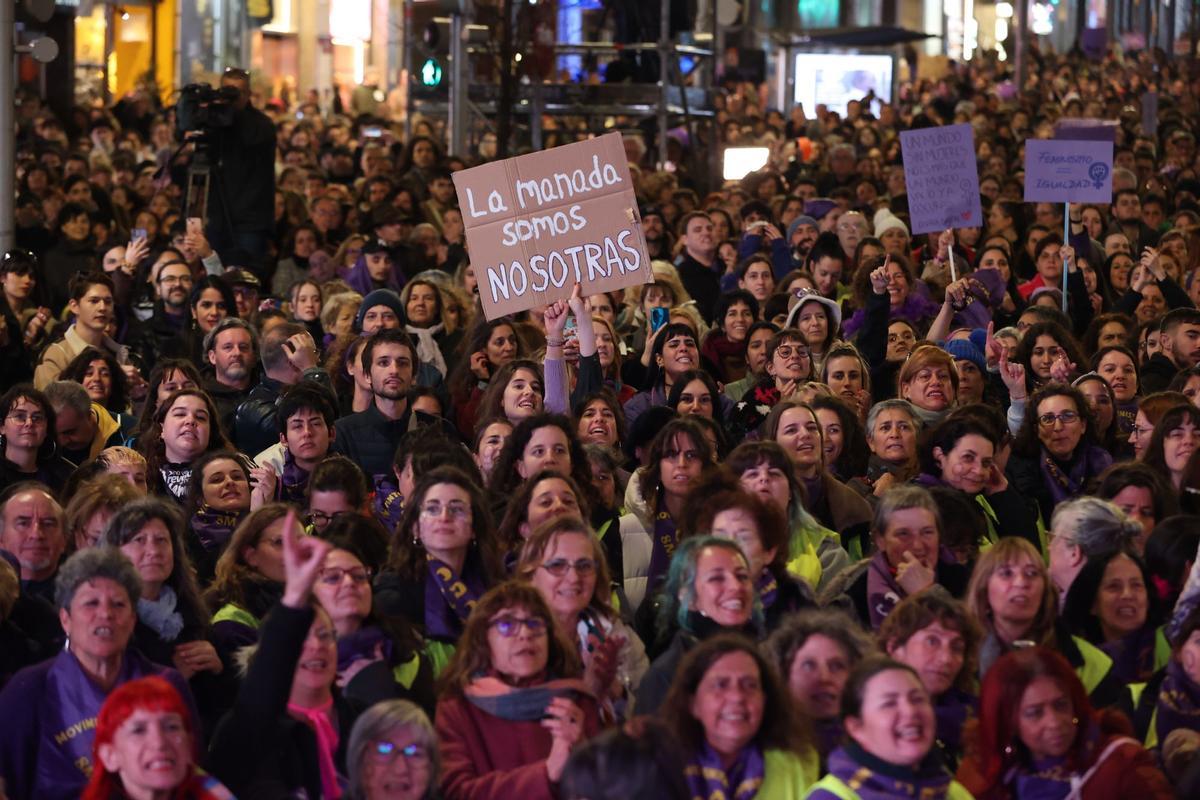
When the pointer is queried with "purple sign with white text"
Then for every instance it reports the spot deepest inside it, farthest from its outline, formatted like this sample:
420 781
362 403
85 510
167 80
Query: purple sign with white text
941 178
1068 171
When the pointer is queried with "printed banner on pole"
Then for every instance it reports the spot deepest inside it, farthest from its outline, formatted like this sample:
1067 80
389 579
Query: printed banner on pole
539 223
941 178
1068 171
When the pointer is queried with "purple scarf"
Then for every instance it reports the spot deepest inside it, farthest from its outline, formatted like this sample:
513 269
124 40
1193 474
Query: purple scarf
1178 702
829 734
1065 485
952 710
708 780
768 588
389 503
1126 418
1049 780
294 481
449 599
875 779
883 593
666 537
363 644
1133 655
916 308
213 528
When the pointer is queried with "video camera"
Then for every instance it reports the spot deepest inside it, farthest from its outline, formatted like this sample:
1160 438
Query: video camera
203 108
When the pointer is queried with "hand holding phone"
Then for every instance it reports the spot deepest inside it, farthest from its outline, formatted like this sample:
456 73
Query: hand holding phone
658 318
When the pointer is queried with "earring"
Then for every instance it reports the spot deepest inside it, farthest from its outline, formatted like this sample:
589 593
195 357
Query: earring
1008 750
1075 721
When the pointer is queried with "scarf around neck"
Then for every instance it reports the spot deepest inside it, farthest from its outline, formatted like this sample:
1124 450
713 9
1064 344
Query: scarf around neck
768 588
427 347
883 593
213 528
449 598
318 718
708 780
1178 701
294 480
160 615
876 779
1064 484
666 537
521 704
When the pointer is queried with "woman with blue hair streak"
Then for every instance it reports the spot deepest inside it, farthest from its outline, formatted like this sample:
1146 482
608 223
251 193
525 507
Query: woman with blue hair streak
709 590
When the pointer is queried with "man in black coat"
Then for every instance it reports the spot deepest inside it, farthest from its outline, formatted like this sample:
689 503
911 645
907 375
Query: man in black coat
1180 339
289 356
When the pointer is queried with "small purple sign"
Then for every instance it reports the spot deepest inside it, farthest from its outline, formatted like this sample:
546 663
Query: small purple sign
1063 170
941 178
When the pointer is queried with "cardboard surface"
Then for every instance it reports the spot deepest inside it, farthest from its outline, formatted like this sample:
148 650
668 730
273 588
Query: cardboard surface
941 178
1061 171
537 224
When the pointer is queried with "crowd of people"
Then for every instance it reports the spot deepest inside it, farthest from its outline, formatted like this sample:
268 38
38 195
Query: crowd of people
826 510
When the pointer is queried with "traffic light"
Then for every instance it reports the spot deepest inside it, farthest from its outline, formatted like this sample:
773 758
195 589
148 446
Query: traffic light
431 55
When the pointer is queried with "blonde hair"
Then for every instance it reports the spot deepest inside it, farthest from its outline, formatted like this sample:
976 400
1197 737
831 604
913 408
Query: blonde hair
331 309
1012 550
121 456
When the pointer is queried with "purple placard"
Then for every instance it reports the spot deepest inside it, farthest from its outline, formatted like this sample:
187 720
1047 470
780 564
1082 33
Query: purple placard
1090 130
1061 171
941 178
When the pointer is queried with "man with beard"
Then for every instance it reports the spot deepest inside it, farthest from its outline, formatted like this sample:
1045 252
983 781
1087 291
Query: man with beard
1180 341
31 528
230 348
289 356
161 336
801 235
654 230
369 438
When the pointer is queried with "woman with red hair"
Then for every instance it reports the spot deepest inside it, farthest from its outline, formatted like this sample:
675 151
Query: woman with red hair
1038 737
145 747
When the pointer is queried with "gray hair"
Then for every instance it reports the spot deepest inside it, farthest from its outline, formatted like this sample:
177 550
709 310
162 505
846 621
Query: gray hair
888 405
332 307
210 338
899 498
1093 525
375 723
90 564
68 394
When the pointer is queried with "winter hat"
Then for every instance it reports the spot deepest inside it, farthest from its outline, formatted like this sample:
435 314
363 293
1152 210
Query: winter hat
819 208
379 297
796 223
832 309
964 350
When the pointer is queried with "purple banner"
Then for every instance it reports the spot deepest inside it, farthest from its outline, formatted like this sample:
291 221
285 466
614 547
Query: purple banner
941 178
1060 171
1089 130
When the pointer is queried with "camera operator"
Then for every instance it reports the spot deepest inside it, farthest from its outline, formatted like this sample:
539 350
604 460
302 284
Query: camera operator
241 199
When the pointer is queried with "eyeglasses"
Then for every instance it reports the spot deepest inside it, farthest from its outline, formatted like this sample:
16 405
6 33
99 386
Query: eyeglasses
786 351
175 280
414 754
1142 430
509 627
459 511
558 567
22 417
1065 417
332 576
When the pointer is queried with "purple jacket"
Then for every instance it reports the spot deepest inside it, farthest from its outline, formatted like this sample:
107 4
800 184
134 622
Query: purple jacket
49 712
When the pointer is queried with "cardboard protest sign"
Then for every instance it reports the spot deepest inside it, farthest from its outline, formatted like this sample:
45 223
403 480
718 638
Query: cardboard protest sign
1068 171
539 223
941 178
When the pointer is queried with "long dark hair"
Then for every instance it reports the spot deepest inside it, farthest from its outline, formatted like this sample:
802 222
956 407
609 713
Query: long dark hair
406 556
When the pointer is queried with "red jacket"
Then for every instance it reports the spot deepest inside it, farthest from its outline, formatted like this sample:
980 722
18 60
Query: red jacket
485 757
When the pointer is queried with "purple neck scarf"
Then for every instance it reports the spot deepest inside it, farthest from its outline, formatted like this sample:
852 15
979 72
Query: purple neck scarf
363 644
213 528
666 537
1065 485
768 588
389 503
449 599
952 710
708 780
294 480
1178 702
883 593
1049 780
875 779
1133 655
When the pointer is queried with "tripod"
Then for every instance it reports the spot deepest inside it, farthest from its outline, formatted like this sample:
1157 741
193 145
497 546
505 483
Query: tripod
199 178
